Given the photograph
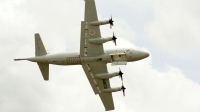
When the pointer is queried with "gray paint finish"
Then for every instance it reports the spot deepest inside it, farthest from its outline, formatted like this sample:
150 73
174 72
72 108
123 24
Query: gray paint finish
92 57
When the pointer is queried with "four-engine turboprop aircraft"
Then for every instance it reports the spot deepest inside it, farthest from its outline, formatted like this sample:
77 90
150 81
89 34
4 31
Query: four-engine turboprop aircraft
92 56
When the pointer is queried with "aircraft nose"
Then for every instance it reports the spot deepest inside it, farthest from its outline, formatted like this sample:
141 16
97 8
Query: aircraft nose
145 54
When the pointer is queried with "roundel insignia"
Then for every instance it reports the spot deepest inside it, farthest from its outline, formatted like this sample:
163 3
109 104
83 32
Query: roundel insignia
92 32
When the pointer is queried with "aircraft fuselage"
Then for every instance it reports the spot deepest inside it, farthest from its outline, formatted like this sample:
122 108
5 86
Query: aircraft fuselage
73 58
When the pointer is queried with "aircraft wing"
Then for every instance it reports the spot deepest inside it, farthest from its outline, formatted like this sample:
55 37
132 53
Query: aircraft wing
93 68
88 31
91 50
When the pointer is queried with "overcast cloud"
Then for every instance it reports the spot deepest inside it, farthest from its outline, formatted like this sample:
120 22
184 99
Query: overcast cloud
176 26
171 28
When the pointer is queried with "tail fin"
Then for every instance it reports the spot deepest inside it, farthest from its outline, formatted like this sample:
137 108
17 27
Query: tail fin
39 46
44 68
39 51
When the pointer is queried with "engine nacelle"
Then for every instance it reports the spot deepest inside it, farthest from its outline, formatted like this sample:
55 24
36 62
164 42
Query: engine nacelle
106 75
100 40
109 90
98 23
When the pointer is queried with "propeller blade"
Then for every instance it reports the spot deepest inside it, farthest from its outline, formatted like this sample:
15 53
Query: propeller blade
123 89
114 39
111 22
120 74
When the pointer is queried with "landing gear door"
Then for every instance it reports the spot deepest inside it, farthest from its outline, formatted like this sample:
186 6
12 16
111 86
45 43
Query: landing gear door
118 59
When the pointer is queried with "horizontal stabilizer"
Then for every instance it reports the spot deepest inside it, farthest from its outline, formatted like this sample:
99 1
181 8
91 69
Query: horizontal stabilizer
39 46
44 68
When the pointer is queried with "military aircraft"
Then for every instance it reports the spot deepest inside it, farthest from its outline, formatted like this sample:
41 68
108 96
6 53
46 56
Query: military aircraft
92 56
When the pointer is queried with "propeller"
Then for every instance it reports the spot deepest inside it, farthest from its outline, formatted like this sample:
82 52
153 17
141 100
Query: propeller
120 74
111 22
114 39
123 89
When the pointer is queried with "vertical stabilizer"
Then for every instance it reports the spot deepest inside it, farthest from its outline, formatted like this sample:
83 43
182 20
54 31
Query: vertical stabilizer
44 68
39 46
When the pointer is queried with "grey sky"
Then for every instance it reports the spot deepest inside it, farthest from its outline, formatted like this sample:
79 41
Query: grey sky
166 81
169 29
